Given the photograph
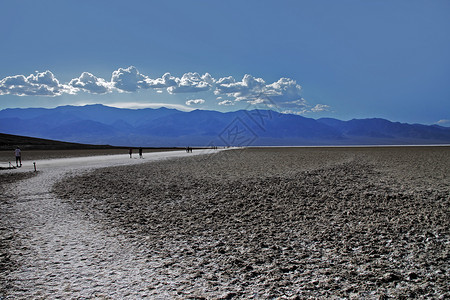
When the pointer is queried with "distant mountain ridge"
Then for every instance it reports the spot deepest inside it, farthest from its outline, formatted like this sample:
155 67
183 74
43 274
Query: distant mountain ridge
99 124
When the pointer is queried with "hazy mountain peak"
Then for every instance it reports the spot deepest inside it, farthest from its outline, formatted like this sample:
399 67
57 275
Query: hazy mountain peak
100 124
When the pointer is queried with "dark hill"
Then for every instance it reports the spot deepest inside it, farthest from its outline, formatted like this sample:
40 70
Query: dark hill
10 142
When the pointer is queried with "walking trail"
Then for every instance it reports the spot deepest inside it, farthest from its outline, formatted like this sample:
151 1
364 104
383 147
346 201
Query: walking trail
58 252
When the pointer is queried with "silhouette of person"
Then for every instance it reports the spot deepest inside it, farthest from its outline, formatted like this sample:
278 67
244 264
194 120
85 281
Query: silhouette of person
130 152
140 152
18 154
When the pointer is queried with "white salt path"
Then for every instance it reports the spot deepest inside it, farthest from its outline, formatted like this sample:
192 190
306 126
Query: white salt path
91 162
60 253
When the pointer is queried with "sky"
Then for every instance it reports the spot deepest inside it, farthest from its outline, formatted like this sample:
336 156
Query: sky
318 58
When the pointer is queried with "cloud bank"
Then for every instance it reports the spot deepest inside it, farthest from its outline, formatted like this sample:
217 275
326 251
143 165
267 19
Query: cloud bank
39 84
91 84
286 92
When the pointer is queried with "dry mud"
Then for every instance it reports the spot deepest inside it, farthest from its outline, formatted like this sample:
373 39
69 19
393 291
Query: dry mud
368 223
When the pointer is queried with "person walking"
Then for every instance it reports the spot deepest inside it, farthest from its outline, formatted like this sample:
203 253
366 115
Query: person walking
140 153
18 154
130 152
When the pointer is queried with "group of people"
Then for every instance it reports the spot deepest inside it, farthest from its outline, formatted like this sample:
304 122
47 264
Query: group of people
131 153
188 149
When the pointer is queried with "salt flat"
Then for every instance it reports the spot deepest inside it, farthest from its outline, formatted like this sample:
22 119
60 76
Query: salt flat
248 223
50 250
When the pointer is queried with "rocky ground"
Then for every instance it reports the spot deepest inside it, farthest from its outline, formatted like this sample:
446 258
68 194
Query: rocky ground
284 222
6 231
49 250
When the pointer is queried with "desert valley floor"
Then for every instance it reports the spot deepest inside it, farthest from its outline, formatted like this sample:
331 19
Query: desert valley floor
362 223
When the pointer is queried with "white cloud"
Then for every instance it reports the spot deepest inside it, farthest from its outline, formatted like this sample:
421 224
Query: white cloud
129 79
226 102
165 81
90 83
39 84
295 104
191 82
249 88
285 89
195 101
226 80
300 107
443 122
294 112
320 108
208 79
137 105
256 91
45 78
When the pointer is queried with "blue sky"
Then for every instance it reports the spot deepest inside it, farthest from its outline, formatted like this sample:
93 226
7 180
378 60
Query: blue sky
342 59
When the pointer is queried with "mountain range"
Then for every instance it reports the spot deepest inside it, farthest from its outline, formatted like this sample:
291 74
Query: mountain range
163 127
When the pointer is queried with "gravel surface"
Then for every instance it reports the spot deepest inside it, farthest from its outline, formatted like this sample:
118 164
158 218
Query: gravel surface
363 223
6 232
51 251
264 223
